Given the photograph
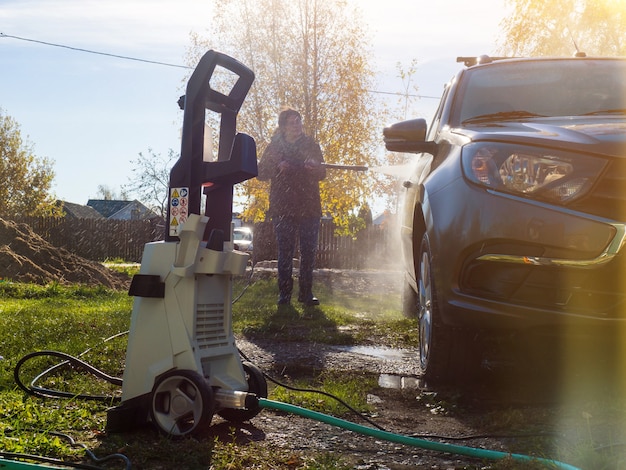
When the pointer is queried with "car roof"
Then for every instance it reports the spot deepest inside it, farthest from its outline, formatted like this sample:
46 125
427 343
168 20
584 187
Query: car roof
472 61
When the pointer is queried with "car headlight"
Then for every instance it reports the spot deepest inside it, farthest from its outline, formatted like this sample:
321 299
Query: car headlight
548 175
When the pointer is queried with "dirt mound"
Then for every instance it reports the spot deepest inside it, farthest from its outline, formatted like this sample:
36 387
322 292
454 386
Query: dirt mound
26 257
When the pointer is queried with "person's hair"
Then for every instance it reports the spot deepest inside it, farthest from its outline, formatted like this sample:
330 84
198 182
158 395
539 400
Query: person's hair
285 114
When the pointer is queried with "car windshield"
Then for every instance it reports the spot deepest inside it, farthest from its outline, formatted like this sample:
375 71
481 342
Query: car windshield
562 87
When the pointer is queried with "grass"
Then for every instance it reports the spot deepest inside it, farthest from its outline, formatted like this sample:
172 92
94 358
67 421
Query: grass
343 318
86 321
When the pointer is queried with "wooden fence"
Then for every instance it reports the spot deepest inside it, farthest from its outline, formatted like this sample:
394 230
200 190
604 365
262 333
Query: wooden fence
376 246
102 239
98 239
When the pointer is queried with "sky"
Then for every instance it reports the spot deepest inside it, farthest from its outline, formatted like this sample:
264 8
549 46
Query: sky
92 114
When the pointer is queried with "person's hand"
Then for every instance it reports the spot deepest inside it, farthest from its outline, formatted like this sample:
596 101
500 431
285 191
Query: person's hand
311 164
282 166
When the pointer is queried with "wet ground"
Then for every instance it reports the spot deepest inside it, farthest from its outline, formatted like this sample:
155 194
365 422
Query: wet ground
508 408
523 401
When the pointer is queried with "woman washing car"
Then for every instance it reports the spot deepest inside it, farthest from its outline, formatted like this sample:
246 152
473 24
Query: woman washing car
292 162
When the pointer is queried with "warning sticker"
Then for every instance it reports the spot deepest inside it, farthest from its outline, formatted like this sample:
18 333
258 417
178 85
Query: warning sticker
179 207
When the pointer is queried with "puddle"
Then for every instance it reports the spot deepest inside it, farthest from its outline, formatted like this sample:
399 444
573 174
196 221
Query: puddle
398 382
389 354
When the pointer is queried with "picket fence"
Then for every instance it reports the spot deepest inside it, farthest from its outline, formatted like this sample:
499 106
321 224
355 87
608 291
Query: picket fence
105 239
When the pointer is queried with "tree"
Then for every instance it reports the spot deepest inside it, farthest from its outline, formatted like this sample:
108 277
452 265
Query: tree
563 27
311 55
108 194
151 180
26 178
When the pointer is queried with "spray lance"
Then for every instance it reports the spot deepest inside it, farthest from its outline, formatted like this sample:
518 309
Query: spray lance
333 166
396 171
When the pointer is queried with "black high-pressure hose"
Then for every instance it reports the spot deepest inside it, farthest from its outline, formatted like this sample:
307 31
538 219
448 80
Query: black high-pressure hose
67 360
35 390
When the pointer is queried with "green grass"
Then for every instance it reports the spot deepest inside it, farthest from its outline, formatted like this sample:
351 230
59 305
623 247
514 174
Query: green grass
87 322
347 387
340 319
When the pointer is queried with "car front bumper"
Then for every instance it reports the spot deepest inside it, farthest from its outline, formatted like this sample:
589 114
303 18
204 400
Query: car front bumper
504 261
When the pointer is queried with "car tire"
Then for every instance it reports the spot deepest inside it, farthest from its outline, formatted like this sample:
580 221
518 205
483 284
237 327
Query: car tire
447 354
409 300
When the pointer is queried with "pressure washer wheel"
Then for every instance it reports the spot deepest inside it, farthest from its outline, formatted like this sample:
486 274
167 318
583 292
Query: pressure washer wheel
182 403
257 385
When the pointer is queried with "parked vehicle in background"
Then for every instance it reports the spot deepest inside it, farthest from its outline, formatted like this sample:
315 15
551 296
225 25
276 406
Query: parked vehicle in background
242 239
514 216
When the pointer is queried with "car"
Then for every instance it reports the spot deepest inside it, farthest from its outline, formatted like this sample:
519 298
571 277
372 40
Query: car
243 239
513 218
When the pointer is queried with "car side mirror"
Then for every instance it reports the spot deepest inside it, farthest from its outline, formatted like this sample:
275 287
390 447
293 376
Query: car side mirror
408 136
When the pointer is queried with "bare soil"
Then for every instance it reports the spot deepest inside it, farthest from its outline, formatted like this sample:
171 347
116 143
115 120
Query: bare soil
26 257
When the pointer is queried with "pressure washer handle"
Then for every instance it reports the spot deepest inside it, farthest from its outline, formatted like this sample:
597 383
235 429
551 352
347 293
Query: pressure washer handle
332 166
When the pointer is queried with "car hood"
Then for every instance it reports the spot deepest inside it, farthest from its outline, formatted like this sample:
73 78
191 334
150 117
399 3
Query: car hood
601 135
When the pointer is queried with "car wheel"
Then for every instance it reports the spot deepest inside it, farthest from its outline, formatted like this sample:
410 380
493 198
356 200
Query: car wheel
257 385
446 354
182 403
409 301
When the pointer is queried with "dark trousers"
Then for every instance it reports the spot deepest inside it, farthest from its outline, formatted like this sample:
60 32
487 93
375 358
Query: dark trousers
287 230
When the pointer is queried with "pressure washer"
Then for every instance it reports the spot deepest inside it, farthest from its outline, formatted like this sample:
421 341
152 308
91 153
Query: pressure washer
182 364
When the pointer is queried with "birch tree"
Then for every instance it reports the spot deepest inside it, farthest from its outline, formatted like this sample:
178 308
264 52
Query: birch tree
563 27
311 55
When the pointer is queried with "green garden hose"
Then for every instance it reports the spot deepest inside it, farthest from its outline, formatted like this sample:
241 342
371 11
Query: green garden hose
411 441
17 465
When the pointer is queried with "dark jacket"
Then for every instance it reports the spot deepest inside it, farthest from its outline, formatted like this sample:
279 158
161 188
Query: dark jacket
294 191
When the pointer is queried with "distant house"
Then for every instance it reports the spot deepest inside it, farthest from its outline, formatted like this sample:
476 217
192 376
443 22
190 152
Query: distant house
78 211
122 210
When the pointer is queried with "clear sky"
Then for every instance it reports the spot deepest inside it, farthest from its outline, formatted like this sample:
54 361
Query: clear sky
92 114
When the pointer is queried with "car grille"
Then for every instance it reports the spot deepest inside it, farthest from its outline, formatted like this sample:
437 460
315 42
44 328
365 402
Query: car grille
608 196
594 292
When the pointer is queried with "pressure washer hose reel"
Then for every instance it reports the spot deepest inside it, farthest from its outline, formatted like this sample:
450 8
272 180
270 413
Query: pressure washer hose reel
182 365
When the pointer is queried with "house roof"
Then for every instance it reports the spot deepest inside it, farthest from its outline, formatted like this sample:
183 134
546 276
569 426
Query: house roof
135 210
78 211
107 207
121 210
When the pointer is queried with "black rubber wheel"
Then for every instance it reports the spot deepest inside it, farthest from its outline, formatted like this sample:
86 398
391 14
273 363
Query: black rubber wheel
257 385
183 403
409 300
446 354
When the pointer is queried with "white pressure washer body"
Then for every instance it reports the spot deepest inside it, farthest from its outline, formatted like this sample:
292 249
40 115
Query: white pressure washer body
190 327
182 364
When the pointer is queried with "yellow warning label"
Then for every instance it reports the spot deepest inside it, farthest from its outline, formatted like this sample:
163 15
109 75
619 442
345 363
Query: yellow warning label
179 208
